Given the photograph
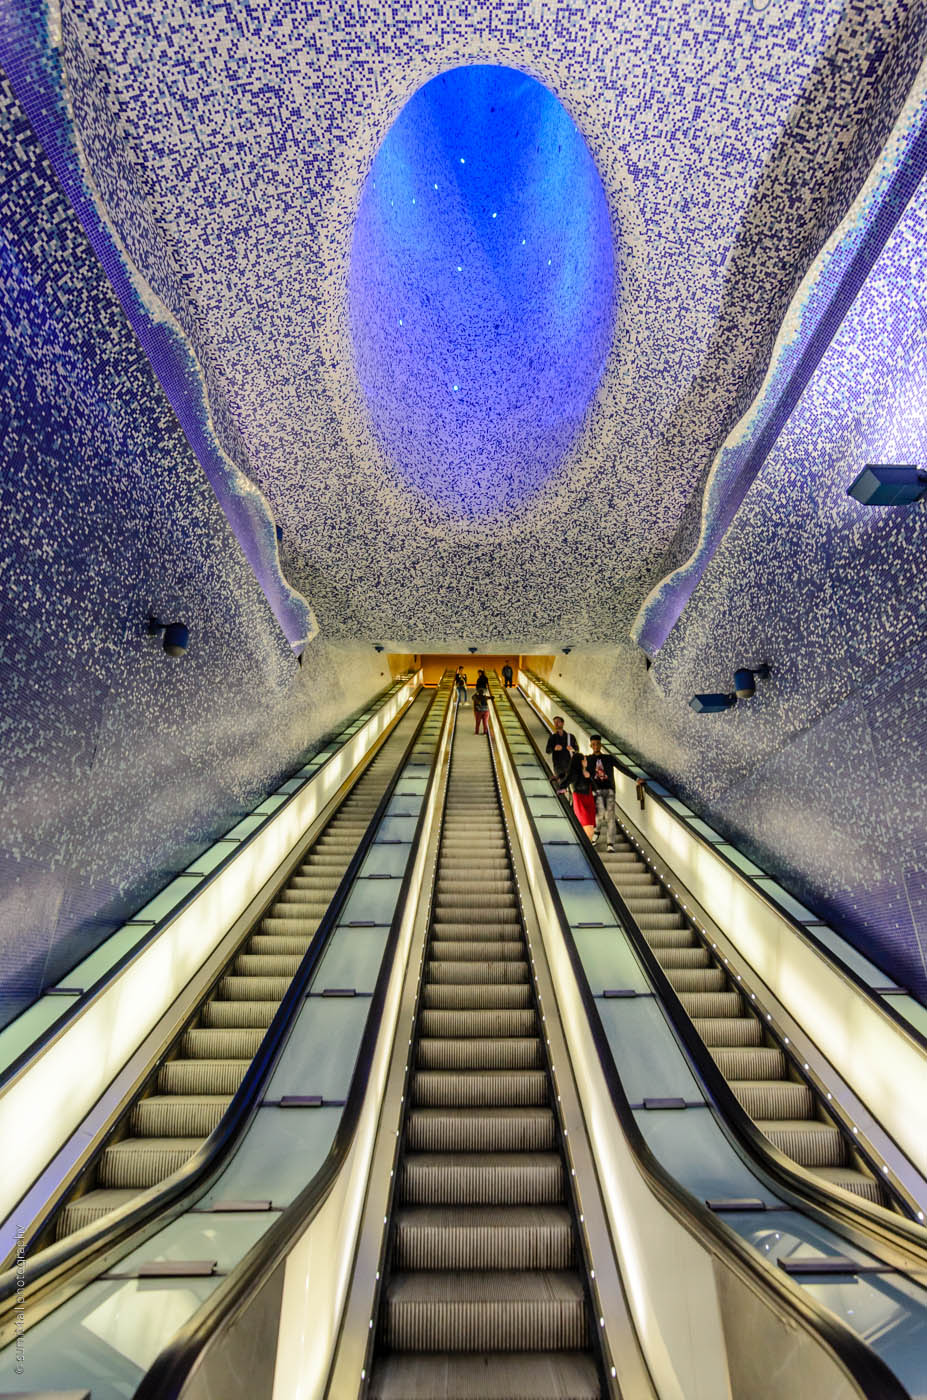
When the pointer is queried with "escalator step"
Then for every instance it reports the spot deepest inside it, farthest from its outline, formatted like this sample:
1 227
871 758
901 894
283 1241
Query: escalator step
290 928
813 1144
707 979
519 1376
648 921
729 1030
203 1043
484 1237
462 996
273 943
712 1004
496 1052
683 957
266 964
142 1162
477 972
239 1014
254 988
660 938
860 1183
445 930
777 1098
750 1062
475 950
477 1023
485 1311
92 1206
201 1076
481 1178
484 1089
174 1116
481 1130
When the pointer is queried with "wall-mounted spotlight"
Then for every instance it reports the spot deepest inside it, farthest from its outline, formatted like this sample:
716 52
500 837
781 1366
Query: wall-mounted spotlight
471 650
377 647
746 678
176 635
279 529
566 650
889 486
712 704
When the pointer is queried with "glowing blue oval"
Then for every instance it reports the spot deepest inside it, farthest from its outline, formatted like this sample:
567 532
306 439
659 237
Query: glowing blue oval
481 287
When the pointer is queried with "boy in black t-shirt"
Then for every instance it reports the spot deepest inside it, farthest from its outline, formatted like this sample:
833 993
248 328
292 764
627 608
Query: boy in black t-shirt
602 772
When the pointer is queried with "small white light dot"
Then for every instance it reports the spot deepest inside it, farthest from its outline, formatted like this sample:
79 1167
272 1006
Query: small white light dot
828 1096
495 216
462 161
805 1066
768 1016
856 1130
786 1040
601 1321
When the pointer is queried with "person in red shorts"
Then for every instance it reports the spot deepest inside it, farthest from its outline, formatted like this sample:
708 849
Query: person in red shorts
583 794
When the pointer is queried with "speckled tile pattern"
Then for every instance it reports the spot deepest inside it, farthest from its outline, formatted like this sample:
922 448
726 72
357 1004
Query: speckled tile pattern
222 199
820 777
117 763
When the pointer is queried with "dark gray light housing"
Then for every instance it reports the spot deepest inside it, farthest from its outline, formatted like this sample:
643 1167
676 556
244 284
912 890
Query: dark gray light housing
746 678
712 704
176 635
889 486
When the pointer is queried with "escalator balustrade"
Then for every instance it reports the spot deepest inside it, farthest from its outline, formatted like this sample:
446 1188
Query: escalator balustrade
195 1084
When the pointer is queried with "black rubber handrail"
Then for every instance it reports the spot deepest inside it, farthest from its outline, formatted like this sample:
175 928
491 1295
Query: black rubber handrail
868 1224
66 1259
71 1009
867 1369
881 1003
168 1375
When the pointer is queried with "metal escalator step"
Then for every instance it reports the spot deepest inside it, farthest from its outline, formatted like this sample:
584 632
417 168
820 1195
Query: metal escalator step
860 1183
486 971
718 1031
462 867
290 928
683 957
485 1311
142 1162
481 1130
811 1144
476 950
481 1178
701 979
204 1043
776 1098
640 902
484 1237
201 1076
712 1004
487 996
474 898
239 1014
273 943
309 909
266 964
636 880
496 1052
491 1088
649 921
516 1376
477 1023
750 1062
254 988
176 1116
92 1206
474 929
660 938
304 889
492 916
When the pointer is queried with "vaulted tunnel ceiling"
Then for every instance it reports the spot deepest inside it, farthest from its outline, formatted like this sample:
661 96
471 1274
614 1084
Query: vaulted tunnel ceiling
227 152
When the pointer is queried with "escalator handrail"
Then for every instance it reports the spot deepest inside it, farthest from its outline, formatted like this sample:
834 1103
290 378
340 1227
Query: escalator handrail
868 1223
168 1374
67 1258
72 1009
803 1187
879 1002
868 1370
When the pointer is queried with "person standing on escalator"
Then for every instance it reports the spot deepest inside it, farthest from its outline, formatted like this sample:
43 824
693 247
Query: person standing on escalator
507 675
481 709
583 795
602 769
561 746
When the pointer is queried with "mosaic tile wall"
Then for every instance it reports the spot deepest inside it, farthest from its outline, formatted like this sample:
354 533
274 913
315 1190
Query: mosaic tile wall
730 143
117 763
821 776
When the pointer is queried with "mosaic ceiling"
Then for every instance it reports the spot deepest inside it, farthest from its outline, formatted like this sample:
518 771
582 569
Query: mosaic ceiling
219 157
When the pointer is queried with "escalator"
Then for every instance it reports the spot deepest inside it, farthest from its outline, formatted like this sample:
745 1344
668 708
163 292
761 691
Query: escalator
781 1102
485 1294
766 1079
186 1098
